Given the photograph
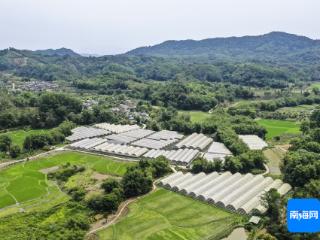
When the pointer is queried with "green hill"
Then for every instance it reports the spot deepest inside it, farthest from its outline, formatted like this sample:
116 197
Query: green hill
274 46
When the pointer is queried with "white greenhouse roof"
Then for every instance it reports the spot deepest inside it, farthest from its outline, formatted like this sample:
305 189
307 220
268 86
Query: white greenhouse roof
217 147
217 151
153 144
88 143
138 133
86 132
235 192
166 135
120 138
195 140
253 142
119 149
181 156
117 128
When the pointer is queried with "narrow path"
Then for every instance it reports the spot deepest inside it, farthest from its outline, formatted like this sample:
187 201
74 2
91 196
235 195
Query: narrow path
267 169
13 197
119 212
6 164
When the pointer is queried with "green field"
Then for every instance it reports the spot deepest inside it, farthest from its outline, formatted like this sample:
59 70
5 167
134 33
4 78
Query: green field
18 136
315 85
167 215
279 127
24 183
197 116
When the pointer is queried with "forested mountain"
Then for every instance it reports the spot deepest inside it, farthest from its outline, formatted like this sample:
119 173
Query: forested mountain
273 46
58 52
275 60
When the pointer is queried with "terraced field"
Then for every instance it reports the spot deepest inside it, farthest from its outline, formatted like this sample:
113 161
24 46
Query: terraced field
167 215
279 127
23 186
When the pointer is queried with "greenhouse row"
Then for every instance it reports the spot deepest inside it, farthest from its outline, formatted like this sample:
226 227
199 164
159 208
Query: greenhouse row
138 133
235 192
181 156
120 138
253 142
103 146
217 151
115 128
166 135
121 149
195 140
154 144
86 132
88 143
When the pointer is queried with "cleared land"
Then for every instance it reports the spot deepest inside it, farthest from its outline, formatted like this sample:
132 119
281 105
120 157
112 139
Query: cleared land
197 116
279 127
274 157
19 136
26 184
315 85
167 215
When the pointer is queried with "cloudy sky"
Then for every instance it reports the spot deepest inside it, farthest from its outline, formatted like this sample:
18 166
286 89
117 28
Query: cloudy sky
116 26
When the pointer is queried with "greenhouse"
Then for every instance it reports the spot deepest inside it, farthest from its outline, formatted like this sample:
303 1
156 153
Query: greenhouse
196 141
235 192
180 156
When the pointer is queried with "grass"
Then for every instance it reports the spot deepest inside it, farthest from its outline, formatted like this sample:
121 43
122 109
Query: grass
197 116
167 215
279 127
24 183
274 157
315 85
18 136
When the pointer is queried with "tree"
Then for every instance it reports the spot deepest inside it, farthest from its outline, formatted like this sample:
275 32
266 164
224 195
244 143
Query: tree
271 200
110 184
136 182
305 127
36 141
309 190
203 165
15 150
104 203
315 134
245 162
160 166
300 167
5 143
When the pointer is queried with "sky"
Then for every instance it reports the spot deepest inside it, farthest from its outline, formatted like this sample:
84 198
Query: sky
116 26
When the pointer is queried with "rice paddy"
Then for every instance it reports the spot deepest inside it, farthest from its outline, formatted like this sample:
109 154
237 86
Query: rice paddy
167 215
24 183
279 127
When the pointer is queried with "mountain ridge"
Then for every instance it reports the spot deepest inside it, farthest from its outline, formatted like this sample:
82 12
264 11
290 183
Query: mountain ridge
270 45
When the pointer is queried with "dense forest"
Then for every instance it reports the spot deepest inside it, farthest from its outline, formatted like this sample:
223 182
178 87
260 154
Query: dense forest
276 60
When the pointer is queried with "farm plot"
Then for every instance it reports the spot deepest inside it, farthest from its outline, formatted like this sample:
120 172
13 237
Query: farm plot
19 136
197 116
168 215
279 127
23 183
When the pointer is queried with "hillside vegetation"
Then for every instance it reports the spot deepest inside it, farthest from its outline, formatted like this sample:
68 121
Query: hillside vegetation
274 59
